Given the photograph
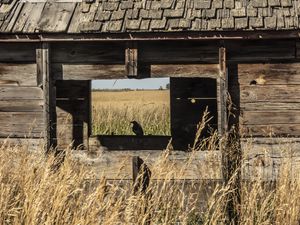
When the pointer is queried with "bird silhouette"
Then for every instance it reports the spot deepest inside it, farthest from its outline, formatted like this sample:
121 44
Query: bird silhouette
137 128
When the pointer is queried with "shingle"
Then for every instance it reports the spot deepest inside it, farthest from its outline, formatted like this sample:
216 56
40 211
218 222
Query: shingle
274 3
166 4
286 3
251 11
145 25
241 12
214 24
184 23
241 23
265 12
173 23
103 15
228 23
280 22
133 24
117 15
259 3
203 4
158 24
126 5
209 13
256 22
132 13
229 4
270 22
217 4
110 6
155 5
155 14
173 13
114 26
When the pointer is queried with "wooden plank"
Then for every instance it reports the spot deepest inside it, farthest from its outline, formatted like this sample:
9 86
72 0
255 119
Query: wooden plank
59 23
222 92
192 52
22 74
14 93
21 105
131 59
269 74
268 93
31 144
187 70
260 50
270 106
23 17
89 53
118 164
43 62
17 52
21 130
14 17
31 23
88 71
273 130
271 117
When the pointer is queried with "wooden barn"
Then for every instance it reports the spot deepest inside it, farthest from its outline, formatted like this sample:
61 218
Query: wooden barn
51 50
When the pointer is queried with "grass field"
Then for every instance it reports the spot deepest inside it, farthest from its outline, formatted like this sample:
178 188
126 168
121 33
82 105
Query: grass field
112 112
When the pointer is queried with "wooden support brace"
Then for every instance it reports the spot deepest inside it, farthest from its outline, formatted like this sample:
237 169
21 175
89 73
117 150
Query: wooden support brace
131 59
46 82
222 92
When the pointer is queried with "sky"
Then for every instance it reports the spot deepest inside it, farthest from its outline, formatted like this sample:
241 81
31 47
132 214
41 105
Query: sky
150 83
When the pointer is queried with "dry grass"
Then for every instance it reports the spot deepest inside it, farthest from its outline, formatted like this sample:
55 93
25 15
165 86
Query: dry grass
113 111
32 193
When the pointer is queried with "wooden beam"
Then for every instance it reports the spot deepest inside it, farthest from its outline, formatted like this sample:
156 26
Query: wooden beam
131 59
222 92
46 82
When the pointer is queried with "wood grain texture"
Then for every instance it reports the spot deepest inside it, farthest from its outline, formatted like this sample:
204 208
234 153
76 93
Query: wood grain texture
56 17
17 52
188 70
18 93
269 74
30 144
21 105
88 71
23 74
89 53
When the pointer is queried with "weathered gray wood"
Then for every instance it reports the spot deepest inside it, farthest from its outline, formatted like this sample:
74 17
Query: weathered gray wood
23 74
21 130
13 19
269 74
88 71
43 62
17 52
117 164
268 93
273 130
23 17
32 21
131 59
89 53
59 23
270 106
268 118
31 144
21 105
189 70
222 92
14 93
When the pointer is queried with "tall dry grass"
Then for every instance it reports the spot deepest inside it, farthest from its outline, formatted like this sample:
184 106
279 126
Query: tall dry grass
31 192
113 111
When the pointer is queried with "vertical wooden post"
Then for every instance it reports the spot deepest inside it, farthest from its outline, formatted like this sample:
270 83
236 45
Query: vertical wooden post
140 175
131 59
45 81
222 92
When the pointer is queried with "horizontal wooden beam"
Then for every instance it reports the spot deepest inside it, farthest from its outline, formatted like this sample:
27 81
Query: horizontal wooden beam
183 35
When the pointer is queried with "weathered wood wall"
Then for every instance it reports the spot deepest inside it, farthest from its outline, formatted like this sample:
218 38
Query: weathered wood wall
269 99
264 79
21 100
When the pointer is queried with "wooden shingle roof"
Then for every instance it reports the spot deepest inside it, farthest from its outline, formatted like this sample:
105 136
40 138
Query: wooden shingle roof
121 16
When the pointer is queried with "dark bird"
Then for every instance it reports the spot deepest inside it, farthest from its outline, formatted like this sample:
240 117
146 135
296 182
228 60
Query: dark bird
137 128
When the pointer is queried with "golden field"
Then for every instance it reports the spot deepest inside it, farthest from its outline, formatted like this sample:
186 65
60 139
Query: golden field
112 111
